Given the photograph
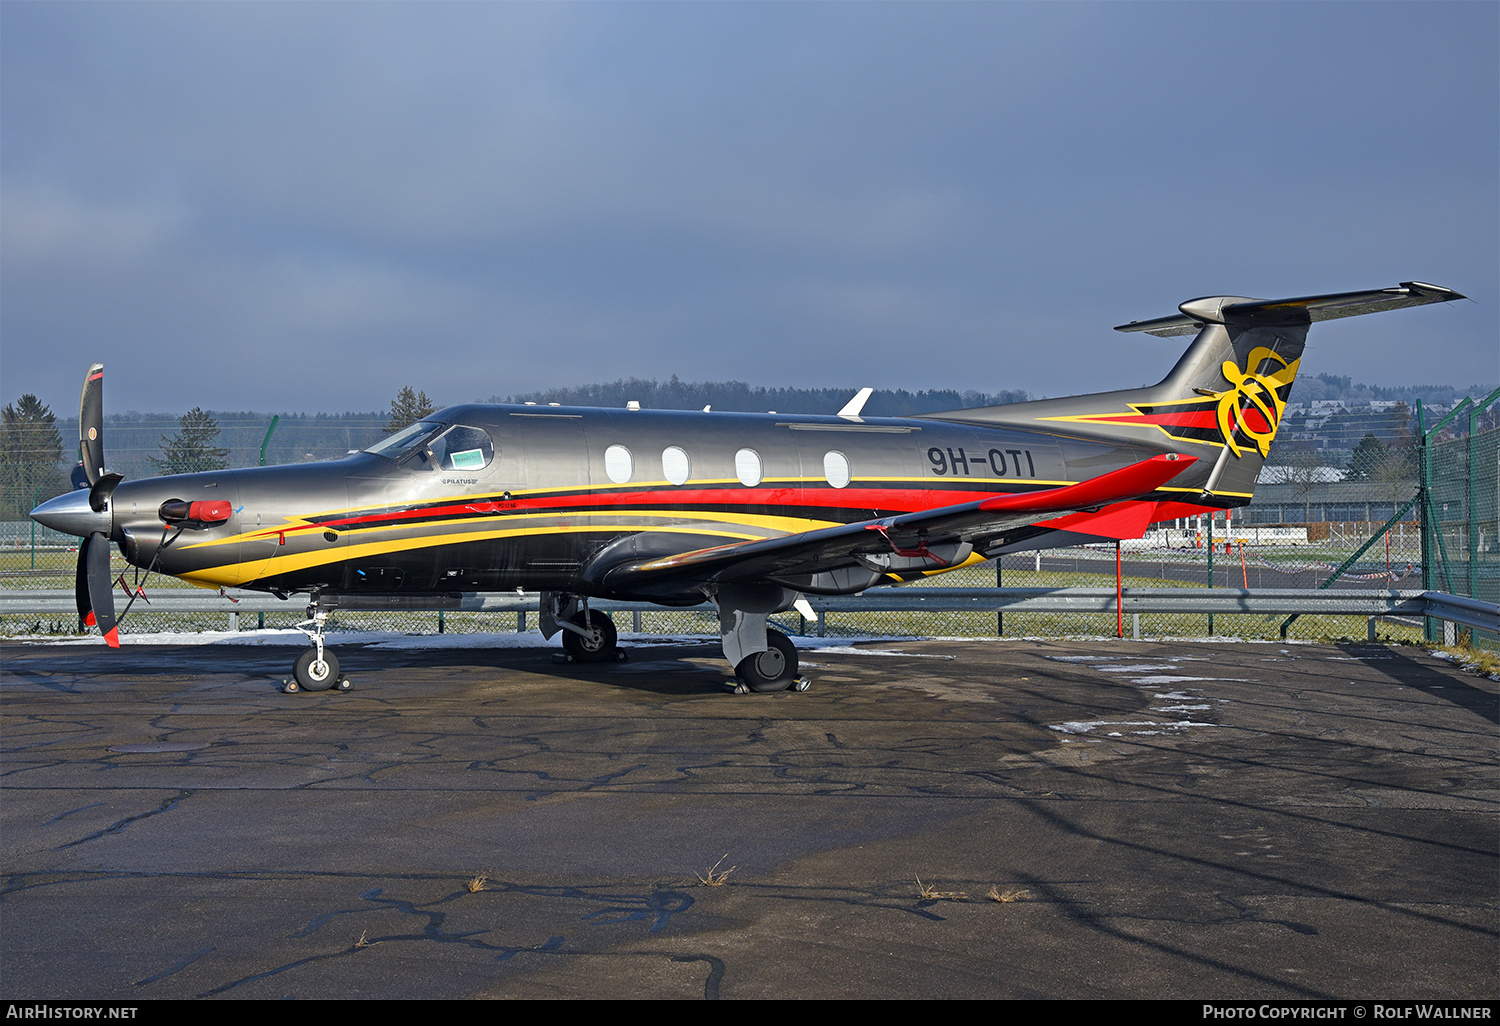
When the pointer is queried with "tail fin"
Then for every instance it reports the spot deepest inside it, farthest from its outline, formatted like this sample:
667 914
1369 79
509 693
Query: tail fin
1226 394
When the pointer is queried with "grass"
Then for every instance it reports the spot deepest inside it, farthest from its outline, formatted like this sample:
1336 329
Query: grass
715 877
930 893
1479 660
477 883
1014 894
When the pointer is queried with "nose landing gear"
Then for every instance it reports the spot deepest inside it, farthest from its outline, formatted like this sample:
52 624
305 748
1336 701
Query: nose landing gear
317 669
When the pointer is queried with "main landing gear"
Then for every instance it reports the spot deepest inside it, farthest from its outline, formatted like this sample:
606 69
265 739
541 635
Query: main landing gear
770 671
588 636
764 660
317 669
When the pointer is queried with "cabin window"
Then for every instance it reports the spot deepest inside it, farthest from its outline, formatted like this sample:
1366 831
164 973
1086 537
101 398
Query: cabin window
836 468
675 464
619 466
747 467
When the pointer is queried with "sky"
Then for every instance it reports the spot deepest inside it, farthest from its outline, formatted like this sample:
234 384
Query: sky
307 206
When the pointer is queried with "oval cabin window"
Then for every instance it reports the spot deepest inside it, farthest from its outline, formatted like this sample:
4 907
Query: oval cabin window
836 468
675 464
747 467
618 464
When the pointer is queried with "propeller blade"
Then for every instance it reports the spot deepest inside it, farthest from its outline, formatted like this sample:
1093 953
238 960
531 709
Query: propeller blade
91 423
100 586
81 586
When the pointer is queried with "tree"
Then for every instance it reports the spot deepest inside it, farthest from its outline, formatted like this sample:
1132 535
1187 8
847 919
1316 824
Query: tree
1397 473
30 450
407 408
1366 459
191 450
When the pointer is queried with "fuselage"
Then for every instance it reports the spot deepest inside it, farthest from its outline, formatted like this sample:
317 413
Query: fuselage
500 497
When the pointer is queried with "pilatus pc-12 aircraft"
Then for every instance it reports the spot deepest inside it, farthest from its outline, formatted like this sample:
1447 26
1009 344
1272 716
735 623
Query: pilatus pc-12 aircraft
748 511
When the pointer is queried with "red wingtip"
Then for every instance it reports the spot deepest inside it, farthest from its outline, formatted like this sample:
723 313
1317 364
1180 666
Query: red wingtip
112 639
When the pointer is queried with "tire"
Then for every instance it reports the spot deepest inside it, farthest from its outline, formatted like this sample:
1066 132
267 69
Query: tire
599 646
772 670
312 675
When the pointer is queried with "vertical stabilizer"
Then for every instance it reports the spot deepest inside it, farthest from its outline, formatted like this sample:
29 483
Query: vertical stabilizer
1223 401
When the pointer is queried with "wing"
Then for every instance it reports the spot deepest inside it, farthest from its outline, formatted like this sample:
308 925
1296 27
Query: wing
840 558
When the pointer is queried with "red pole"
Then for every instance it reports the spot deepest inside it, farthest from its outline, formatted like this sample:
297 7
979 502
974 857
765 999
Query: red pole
1243 572
1119 596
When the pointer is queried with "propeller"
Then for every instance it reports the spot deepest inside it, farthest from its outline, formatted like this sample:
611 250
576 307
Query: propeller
96 599
88 513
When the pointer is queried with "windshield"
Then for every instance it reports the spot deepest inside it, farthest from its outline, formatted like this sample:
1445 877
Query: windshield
428 445
404 441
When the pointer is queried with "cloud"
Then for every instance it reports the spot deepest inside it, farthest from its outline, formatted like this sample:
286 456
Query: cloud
46 224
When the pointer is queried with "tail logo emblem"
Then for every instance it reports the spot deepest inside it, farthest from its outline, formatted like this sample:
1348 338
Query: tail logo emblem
1252 408
1243 417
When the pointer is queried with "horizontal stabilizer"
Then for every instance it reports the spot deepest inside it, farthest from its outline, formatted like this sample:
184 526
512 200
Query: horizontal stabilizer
1304 310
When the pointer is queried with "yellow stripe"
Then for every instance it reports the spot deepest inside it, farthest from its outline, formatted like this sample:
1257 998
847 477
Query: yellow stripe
274 565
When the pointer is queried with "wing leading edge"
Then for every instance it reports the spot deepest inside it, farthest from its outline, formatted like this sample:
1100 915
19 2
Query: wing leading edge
924 540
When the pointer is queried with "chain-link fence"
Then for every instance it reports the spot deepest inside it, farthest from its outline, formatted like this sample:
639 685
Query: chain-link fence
1351 524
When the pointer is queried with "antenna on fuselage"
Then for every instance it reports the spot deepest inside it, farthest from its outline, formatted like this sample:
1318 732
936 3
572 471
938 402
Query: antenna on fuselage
853 406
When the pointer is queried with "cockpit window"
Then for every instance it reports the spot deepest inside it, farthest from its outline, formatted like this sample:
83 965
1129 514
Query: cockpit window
427 445
463 448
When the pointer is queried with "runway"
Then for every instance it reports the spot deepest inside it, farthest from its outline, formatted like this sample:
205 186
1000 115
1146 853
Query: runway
999 819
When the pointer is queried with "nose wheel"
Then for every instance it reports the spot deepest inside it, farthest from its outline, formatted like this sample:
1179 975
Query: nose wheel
314 674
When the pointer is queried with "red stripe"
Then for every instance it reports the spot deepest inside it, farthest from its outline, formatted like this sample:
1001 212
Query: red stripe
791 499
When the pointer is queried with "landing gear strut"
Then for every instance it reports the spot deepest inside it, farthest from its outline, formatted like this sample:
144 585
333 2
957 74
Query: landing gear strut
764 660
317 669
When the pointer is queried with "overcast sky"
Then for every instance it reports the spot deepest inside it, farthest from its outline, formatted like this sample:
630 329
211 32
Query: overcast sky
306 206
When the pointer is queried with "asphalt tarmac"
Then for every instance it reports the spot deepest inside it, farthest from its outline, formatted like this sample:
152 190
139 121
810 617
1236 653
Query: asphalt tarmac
1087 819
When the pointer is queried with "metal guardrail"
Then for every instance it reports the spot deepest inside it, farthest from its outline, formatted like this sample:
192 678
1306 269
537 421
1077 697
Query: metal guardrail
1264 601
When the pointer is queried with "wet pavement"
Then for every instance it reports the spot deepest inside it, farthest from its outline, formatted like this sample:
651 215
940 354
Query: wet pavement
1086 819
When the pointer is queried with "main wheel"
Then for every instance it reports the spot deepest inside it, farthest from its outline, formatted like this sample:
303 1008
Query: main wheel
313 674
772 670
598 646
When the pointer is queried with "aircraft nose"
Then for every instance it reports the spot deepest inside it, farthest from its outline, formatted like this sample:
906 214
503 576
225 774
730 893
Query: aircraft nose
72 514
